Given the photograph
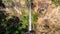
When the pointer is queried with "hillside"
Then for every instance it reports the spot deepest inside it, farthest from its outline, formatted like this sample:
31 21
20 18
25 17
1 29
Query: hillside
45 16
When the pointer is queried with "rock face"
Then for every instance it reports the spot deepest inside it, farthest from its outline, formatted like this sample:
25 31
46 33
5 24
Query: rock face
48 18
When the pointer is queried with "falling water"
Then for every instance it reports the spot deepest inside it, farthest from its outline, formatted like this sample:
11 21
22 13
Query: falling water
29 15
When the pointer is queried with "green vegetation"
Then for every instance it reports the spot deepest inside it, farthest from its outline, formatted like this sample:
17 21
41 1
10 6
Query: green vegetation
56 2
9 1
34 19
24 19
10 24
13 25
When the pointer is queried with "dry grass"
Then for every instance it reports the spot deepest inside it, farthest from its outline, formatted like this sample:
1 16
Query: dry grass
49 20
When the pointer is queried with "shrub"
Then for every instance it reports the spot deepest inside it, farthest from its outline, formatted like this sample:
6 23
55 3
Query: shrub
56 2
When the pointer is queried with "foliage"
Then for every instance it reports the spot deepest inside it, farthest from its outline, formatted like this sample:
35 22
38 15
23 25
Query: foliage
2 22
56 2
24 18
34 18
9 1
13 25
